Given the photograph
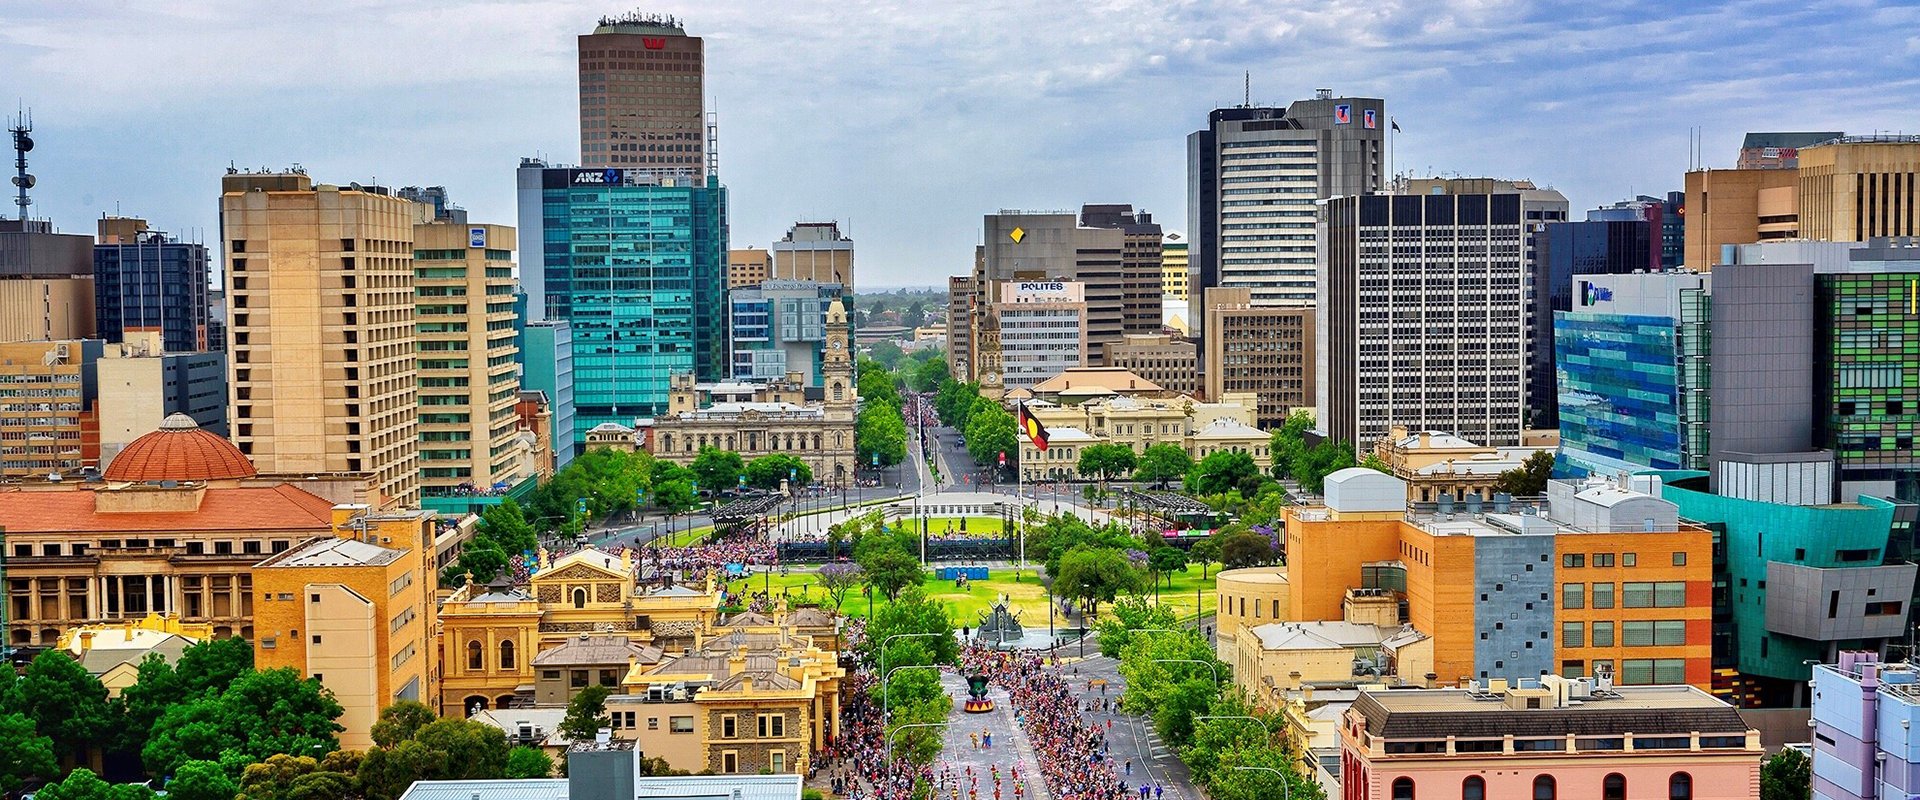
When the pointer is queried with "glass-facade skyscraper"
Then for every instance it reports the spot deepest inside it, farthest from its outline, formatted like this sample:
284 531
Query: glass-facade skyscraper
636 261
147 280
1631 361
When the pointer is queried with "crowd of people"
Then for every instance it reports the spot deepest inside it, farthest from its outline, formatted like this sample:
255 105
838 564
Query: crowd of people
856 761
1074 764
693 564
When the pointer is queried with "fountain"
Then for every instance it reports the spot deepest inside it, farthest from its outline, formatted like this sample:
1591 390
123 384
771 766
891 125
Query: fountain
1000 628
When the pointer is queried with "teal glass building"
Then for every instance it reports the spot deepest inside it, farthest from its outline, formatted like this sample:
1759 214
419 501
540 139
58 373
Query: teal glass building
1631 366
635 260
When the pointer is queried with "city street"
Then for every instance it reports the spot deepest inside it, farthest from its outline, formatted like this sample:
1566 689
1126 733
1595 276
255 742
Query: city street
1131 738
1010 746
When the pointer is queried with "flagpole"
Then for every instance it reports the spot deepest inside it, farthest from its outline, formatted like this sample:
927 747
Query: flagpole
1019 479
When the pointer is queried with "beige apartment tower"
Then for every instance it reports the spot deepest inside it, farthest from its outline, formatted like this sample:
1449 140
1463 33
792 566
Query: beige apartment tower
1160 358
1266 350
641 96
814 251
469 384
320 330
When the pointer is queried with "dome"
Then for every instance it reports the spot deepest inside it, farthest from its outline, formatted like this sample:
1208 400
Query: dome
179 451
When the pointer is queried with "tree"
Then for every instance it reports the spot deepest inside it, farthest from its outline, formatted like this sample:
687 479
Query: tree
155 687
82 784
400 721
528 762
1312 468
1373 461
912 612
1094 576
1128 615
24 754
1164 561
927 376
386 772
1245 549
1162 463
260 714
717 469
212 666
1106 461
474 750
66 705
1786 775
879 429
1205 551
479 557
771 470
875 383
674 496
506 524
990 432
1222 472
954 403
890 569
586 714
201 780
888 354
838 577
1288 443
1530 478
287 777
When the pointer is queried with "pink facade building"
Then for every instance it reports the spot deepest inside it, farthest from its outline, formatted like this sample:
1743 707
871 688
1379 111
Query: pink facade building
1552 739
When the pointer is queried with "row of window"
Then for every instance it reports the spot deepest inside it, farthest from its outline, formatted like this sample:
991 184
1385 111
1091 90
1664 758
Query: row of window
1633 594
1546 787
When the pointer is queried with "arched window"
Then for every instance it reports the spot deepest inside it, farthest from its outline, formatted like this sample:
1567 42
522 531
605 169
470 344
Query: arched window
1613 787
1545 789
1680 786
475 658
839 393
1402 789
579 597
506 655
1473 788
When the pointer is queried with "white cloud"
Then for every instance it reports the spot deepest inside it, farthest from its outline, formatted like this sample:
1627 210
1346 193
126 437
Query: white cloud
913 118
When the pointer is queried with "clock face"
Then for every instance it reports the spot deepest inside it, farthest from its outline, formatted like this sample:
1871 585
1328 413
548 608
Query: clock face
837 344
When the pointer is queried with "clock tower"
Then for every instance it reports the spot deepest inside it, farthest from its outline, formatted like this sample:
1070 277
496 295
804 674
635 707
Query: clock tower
836 369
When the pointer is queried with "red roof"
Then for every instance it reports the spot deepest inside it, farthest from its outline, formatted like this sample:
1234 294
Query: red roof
279 508
179 451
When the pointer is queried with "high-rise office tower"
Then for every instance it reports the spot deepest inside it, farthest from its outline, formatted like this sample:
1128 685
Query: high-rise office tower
146 280
642 105
636 260
1632 355
1423 309
1254 175
546 362
1264 350
321 335
779 327
1112 249
1042 328
469 382
749 266
814 251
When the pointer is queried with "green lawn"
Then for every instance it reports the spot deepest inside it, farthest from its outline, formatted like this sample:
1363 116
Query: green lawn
686 537
977 526
1027 596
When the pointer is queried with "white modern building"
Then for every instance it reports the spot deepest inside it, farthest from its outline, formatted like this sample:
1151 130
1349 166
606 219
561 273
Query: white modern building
1043 330
1423 299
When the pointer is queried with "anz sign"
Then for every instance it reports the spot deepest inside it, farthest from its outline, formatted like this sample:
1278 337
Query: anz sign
598 177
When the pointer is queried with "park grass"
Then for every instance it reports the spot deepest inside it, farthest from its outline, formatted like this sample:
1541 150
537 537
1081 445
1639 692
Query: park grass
976 526
1025 596
688 537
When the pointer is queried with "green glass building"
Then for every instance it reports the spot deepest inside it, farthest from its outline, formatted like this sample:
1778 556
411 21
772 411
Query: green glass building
635 261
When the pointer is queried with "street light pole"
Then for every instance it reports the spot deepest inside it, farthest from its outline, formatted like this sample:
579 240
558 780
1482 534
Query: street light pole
886 697
1286 789
1209 664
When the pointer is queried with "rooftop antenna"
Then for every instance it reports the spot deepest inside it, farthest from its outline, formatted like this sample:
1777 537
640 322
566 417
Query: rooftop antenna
22 143
1247 91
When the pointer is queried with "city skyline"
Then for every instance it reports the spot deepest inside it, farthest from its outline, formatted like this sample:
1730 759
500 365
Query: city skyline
907 124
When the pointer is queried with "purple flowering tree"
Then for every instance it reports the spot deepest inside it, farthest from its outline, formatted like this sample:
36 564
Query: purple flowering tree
839 577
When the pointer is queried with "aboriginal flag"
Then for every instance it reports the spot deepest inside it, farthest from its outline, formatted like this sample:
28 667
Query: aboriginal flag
1036 432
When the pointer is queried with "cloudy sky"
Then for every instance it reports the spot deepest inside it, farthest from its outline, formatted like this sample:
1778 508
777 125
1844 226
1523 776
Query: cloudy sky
908 120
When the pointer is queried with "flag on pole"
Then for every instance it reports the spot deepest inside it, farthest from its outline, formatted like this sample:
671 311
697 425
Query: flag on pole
1036 432
1395 123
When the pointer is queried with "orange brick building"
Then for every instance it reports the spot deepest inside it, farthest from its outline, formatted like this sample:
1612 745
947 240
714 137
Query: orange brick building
1601 579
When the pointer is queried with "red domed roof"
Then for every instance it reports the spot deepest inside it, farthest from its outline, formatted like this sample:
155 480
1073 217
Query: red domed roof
179 451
